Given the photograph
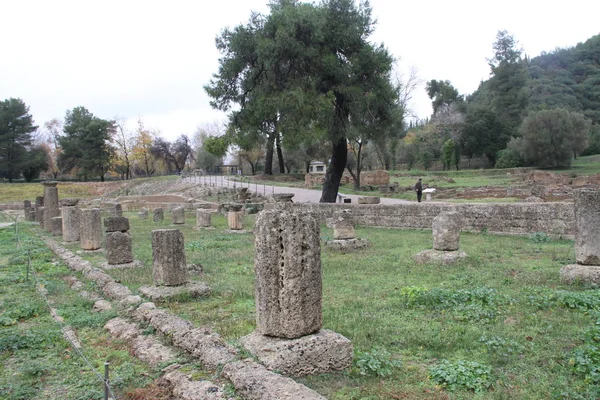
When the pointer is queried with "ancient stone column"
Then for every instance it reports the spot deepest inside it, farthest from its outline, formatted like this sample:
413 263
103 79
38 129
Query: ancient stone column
235 217
159 215
446 231
178 216
288 274
39 202
118 210
32 215
203 218
39 215
169 266
343 226
118 248
51 209
116 224
56 226
587 221
91 229
143 213
71 220
27 210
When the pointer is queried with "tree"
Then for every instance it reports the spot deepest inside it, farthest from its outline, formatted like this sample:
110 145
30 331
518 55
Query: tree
142 149
52 132
175 155
442 94
552 137
124 143
306 64
484 133
206 160
16 128
86 143
35 163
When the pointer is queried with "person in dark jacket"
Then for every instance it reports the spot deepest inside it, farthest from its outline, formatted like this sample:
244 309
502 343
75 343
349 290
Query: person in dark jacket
419 189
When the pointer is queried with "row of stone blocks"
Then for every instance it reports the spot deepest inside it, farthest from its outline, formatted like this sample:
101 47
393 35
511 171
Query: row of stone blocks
235 216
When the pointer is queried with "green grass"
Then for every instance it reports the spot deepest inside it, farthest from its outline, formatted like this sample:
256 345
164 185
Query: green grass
503 309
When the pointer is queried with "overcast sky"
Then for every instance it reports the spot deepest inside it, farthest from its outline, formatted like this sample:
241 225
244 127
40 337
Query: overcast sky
150 59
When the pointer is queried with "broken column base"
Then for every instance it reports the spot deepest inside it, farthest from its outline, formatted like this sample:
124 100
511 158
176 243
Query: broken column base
439 256
162 293
580 273
318 353
348 245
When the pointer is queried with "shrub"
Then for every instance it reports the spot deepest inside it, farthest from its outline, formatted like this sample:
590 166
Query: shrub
462 374
377 362
539 237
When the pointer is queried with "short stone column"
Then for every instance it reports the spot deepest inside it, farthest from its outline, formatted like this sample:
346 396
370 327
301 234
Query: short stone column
71 220
32 215
288 292
587 239
39 202
159 215
235 217
91 229
39 215
143 213
344 235
27 210
118 242
178 215
203 218
118 210
51 209
56 226
168 254
446 239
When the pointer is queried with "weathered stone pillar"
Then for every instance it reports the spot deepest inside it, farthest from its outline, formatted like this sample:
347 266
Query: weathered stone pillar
91 229
203 218
56 226
39 215
32 215
39 202
446 231
288 274
143 213
118 210
178 216
27 210
159 215
118 241
235 217
587 221
169 266
343 226
71 220
51 209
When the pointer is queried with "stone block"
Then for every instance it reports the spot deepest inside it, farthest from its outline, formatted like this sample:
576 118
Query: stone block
343 226
348 245
446 231
39 216
159 215
587 221
118 248
56 226
580 273
26 204
178 216
116 224
318 353
203 218
288 283
369 200
235 220
68 202
283 197
143 213
71 220
90 230
441 257
169 266
162 293
39 201
118 210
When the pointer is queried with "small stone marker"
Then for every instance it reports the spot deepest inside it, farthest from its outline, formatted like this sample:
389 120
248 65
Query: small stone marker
235 217
203 218
91 229
169 266
71 220
57 226
428 193
178 216
446 237
587 239
143 213
159 215
51 209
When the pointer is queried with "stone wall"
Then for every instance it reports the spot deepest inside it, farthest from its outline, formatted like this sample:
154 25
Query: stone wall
556 219
11 206
369 178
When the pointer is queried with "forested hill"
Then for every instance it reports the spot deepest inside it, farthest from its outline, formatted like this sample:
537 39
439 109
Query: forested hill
567 78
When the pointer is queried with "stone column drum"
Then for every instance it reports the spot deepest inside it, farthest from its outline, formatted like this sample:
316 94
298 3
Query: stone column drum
51 209
288 274
235 217
71 220
343 226
118 248
587 221
178 216
202 218
446 231
118 210
91 229
159 215
57 226
39 202
143 213
26 209
169 265
39 215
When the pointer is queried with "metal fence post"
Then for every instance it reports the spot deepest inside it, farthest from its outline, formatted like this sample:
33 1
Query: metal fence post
106 380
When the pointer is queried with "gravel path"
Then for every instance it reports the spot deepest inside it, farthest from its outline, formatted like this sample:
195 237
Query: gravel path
300 195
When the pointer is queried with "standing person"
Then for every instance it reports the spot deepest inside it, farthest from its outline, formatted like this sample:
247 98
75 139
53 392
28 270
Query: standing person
419 189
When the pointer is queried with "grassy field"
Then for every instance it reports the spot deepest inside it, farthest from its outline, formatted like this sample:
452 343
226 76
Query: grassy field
499 325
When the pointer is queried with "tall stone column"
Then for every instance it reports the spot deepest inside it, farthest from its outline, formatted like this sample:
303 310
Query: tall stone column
91 229
51 209
168 254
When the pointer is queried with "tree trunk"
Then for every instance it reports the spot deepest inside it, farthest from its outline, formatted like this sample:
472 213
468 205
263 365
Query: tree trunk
269 156
333 175
279 154
358 168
